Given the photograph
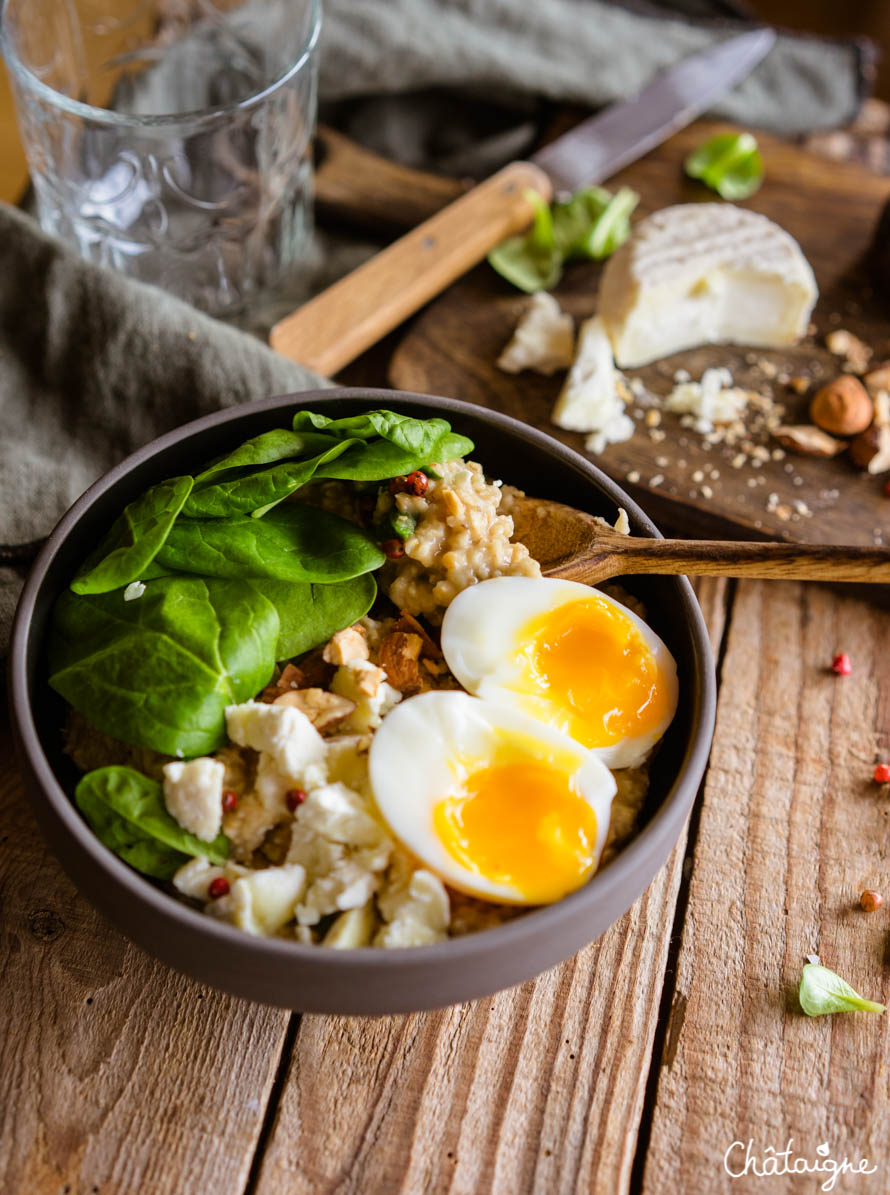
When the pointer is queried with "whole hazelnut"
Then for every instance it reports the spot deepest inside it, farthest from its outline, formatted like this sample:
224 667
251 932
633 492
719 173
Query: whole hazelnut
843 407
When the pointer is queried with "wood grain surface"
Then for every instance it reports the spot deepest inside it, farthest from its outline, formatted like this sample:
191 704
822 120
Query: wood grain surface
116 1074
792 829
831 208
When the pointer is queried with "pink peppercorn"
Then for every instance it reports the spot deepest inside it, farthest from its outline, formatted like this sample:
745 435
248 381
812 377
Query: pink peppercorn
841 664
218 887
882 773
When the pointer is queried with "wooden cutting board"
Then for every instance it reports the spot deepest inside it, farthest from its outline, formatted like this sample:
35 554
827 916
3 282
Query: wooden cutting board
831 208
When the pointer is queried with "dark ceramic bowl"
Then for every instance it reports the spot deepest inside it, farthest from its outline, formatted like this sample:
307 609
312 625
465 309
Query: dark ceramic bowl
313 979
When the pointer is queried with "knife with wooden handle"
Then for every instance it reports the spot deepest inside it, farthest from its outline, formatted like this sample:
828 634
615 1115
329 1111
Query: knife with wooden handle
339 324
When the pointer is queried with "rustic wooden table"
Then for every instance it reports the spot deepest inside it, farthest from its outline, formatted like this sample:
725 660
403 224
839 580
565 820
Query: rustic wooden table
632 1067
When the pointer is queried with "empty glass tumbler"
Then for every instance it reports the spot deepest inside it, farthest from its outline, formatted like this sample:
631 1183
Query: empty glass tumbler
171 139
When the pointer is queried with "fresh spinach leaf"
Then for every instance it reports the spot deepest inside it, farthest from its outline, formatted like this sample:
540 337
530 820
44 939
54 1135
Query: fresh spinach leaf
277 445
135 539
531 261
290 543
591 223
159 672
258 490
823 991
729 164
310 614
382 459
610 229
126 811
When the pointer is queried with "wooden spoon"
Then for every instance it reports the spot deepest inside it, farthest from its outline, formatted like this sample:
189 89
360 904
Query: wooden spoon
578 547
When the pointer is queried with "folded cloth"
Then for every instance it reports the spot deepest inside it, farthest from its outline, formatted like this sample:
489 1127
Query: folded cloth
586 52
92 366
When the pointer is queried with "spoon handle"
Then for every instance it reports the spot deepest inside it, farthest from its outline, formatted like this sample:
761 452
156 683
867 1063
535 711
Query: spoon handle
615 555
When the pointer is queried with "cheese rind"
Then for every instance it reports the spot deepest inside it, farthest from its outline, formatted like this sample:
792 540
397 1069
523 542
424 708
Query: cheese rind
705 273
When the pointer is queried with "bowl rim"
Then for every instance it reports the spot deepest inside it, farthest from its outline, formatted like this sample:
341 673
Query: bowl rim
665 822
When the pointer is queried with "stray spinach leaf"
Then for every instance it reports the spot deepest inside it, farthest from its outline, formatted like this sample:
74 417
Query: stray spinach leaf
729 164
592 223
159 672
290 543
310 614
135 539
823 991
126 811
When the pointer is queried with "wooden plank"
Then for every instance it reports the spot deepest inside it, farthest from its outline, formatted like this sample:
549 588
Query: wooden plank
116 1074
539 1088
792 829
832 208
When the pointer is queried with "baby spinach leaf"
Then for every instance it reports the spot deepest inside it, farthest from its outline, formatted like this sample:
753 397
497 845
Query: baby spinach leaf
823 991
135 538
277 445
290 543
258 490
591 223
126 811
729 164
159 672
610 229
532 261
310 614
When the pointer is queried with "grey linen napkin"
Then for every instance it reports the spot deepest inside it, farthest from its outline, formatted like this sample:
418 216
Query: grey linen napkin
93 365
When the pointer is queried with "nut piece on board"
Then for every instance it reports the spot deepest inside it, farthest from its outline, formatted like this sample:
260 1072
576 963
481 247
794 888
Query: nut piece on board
878 378
843 407
844 344
808 440
871 450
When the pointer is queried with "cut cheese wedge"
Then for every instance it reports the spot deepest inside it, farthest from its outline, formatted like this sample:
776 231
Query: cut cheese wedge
704 273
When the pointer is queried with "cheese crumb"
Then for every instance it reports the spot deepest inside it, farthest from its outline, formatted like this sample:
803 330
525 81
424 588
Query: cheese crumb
193 795
589 401
711 401
133 591
544 339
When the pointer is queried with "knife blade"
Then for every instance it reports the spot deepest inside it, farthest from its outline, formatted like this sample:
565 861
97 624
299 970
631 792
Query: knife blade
603 144
340 323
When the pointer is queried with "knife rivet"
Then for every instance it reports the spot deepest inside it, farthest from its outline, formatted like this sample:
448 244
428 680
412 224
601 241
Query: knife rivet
428 242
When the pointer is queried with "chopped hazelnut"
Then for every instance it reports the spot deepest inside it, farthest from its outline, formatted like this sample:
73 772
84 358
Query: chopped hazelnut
324 710
345 646
399 655
808 440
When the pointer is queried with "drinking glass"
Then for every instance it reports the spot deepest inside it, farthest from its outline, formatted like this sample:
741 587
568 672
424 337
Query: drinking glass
170 139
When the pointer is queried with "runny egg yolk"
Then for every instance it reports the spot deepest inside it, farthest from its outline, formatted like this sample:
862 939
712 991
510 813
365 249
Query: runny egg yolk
519 822
595 671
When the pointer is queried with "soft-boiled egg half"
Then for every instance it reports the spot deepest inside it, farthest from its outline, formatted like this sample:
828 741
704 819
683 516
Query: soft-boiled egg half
567 655
497 804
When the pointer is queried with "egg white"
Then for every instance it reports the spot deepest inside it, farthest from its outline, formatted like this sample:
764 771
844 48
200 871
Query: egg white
417 757
482 631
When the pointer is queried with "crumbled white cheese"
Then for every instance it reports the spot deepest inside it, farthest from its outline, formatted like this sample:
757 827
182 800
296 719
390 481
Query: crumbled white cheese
283 732
589 401
544 338
622 523
366 685
352 929
195 877
263 902
416 913
133 591
343 849
193 795
712 400
347 761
